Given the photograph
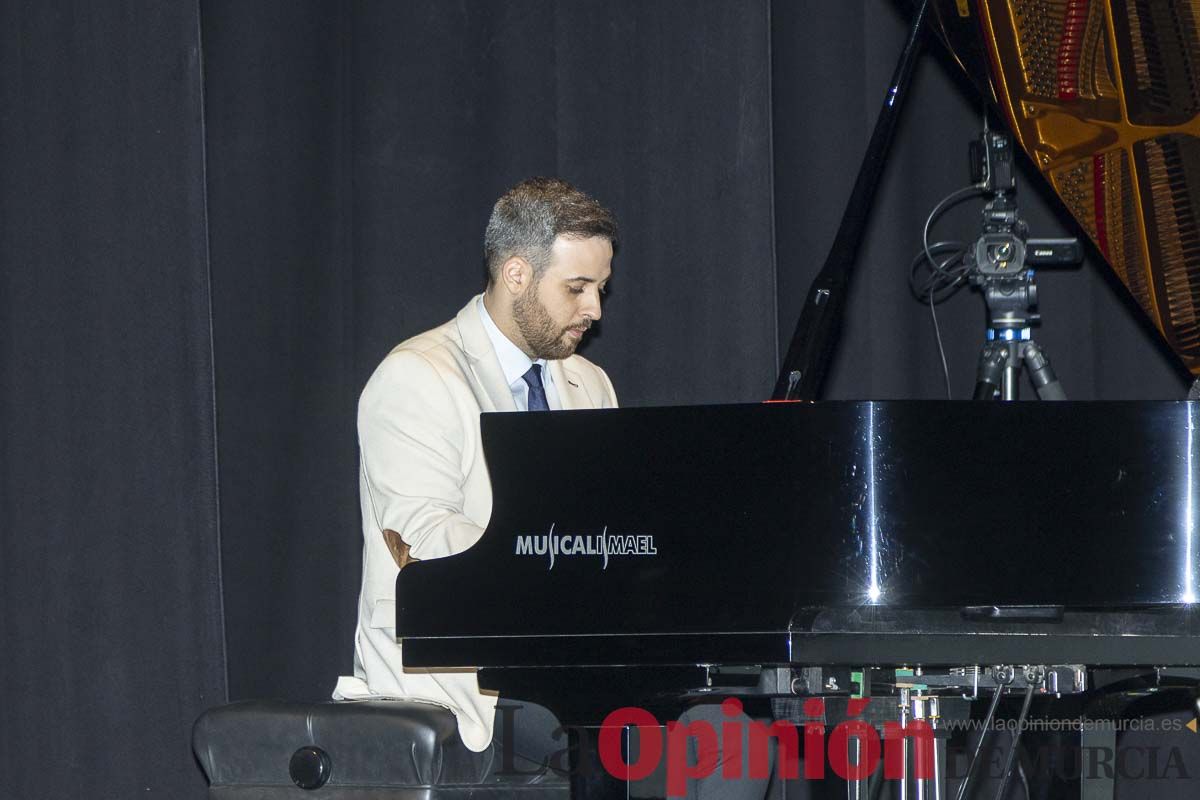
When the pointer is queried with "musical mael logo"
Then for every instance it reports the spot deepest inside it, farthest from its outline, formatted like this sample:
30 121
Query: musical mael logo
603 545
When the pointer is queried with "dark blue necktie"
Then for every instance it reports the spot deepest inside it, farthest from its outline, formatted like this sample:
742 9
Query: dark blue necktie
537 392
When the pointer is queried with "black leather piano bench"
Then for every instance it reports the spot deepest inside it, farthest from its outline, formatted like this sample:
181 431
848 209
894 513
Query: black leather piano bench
270 750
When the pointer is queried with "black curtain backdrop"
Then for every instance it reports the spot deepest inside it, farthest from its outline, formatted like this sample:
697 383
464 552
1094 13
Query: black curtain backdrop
110 608
284 300
216 217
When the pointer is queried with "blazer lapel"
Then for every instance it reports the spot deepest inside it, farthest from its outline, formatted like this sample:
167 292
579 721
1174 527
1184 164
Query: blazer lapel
571 394
482 357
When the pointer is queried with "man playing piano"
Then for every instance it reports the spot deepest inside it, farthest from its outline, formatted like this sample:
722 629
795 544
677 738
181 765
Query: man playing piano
423 484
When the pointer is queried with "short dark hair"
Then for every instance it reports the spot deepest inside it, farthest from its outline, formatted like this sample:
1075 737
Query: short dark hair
531 215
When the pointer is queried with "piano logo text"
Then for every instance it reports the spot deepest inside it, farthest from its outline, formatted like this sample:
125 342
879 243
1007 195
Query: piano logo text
554 545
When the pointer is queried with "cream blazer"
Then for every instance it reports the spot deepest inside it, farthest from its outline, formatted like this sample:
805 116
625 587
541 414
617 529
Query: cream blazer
422 474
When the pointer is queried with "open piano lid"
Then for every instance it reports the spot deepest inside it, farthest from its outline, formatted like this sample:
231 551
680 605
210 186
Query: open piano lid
1104 95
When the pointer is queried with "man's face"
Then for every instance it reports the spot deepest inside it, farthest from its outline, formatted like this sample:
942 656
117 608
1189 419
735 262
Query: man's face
554 312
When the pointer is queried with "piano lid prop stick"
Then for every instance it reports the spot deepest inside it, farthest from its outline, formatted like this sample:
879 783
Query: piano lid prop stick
811 349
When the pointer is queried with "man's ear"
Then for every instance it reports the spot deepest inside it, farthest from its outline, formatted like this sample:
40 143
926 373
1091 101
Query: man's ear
516 275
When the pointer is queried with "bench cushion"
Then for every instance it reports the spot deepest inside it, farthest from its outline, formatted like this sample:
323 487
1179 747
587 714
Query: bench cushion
373 748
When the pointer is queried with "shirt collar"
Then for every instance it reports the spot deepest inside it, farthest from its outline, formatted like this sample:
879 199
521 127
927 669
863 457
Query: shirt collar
513 360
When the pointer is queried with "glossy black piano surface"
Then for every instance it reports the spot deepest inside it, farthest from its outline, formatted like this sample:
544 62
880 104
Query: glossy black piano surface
864 533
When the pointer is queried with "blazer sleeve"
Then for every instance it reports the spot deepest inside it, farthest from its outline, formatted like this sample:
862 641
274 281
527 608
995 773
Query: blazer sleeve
411 441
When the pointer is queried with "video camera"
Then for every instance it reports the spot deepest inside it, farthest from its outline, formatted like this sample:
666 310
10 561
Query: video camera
1005 248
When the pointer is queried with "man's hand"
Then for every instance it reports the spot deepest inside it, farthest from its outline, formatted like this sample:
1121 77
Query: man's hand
398 548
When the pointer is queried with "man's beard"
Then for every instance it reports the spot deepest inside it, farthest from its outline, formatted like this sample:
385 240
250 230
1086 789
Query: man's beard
543 335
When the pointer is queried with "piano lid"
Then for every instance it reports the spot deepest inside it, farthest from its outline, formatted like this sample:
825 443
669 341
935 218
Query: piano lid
1104 96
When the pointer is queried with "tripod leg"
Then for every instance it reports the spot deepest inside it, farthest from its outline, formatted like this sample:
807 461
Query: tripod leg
990 374
1045 382
1011 389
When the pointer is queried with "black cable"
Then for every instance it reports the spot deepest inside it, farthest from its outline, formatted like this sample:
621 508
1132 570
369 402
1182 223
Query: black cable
954 197
1012 753
1021 770
945 281
937 333
987 724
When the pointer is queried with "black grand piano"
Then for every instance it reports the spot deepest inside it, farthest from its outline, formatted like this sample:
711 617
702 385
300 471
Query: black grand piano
823 533
787 550
909 550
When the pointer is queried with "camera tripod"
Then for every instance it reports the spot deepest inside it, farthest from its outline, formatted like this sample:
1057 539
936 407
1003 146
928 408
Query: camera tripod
1000 364
1000 268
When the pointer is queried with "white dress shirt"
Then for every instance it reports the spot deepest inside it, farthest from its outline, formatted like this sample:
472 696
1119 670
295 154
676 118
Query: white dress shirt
515 364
